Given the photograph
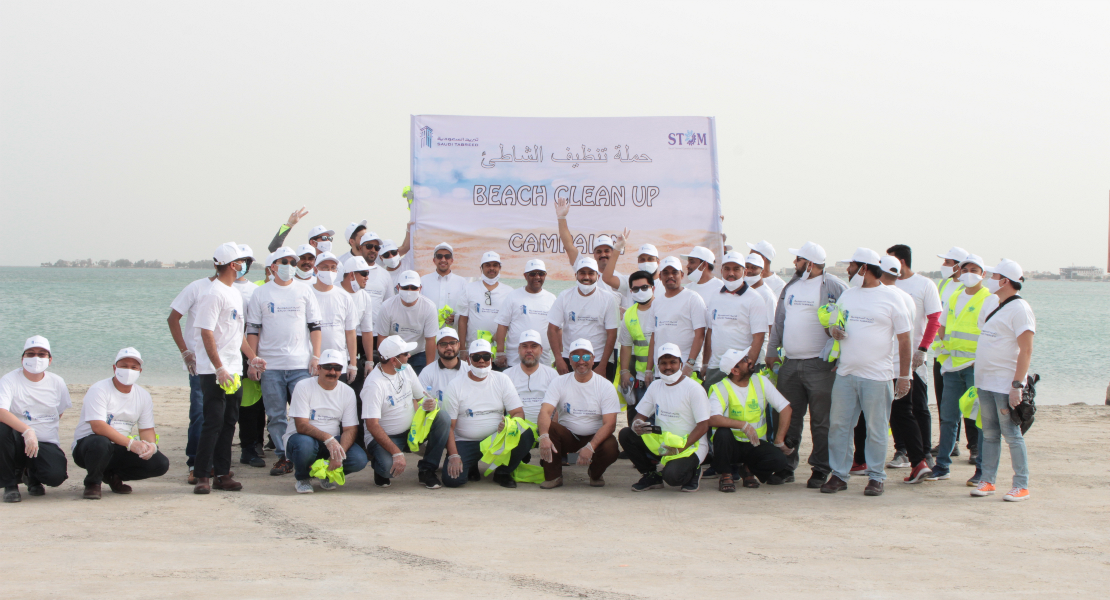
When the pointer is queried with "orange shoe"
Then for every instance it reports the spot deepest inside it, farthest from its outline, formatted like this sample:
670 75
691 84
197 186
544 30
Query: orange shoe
1016 495
984 489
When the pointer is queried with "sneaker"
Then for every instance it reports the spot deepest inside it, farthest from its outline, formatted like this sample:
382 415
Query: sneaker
834 485
710 473
429 479
33 487
984 489
694 483
956 451
11 494
816 480
474 474
938 475
252 460
303 486
972 456
975 479
382 482
281 467
900 461
329 485
858 469
930 460
1016 495
650 481
919 473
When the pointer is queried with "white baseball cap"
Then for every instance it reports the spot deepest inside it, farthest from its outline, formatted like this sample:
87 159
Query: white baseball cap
811 252
955 253
865 256
671 261
530 335
321 230
581 344
350 230
129 352
535 265
388 246
246 252
700 253
227 253
368 237
489 257
305 249
326 256
764 249
734 257
1008 269
446 332
649 249
355 263
973 259
333 357
754 260
443 246
731 358
668 349
279 254
393 346
603 240
36 341
480 345
409 278
585 262
890 265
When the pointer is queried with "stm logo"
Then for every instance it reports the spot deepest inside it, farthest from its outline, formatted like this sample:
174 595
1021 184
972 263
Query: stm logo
425 137
687 139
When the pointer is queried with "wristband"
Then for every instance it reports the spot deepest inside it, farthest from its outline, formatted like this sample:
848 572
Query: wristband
454 456
129 442
398 454
910 377
545 435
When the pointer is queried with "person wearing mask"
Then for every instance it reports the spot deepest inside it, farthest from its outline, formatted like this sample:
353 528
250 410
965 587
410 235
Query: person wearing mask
338 314
578 414
531 378
753 268
186 304
436 376
679 316
245 286
103 444
865 373
805 374
635 337
320 238
443 287
740 436
353 234
412 316
482 302
32 402
526 309
390 259
322 408
736 318
279 238
252 414
699 273
283 327
950 284
306 264
581 312
681 408
767 252
604 249
379 283
219 324
477 403
959 328
1007 327
353 275
390 398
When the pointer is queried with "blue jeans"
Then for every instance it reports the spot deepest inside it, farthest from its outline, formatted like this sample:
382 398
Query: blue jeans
196 419
418 361
304 450
850 395
382 460
277 390
471 453
996 423
955 384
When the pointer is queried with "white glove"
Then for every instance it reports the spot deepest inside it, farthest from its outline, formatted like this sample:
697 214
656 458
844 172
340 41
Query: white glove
749 430
190 359
667 451
429 405
586 455
254 374
902 388
314 366
399 465
30 442
787 450
1015 397
151 448
640 426
258 363
335 449
454 466
352 372
547 448
620 241
837 333
136 446
918 359
223 375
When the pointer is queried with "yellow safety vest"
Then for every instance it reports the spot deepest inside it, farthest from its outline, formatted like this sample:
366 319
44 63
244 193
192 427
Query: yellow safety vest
751 411
639 340
482 334
655 442
497 448
946 287
969 406
841 322
421 426
961 331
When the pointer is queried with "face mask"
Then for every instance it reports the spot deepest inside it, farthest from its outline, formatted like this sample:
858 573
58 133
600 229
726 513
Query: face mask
480 371
410 296
391 262
303 274
285 272
993 285
673 377
732 286
754 279
354 285
586 289
402 367
326 277
970 279
126 376
241 273
648 267
946 272
323 246
805 273
35 364
641 297
488 281
857 279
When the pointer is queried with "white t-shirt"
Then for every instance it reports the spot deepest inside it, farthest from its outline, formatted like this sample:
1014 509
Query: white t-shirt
481 308
802 334
734 320
775 283
390 399
284 313
413 323
911 310
380 287
706 290
926 301
395 275
874 316
678 408
531 389
997 352
478 407
588 317
103 402
676 319
186 303
523 311
581 406
647 326
338 315
329 410
246 289
221 312
363 305
961 302
443 291
438 378
39 404
772 306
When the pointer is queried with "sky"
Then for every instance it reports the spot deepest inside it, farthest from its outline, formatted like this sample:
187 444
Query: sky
146 130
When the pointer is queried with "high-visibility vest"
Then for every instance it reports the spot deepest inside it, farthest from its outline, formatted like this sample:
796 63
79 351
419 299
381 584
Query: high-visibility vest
655 442
482 334
824 314
497 449
969 406
639 340
947 288
750 411
421 426
961 331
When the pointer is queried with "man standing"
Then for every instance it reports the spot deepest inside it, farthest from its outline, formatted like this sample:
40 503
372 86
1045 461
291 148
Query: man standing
950 284
525 309
379 283
186 304
679 316
737 318
411 316
322 408
354 274
581 312
1002 361
482 303
753 266
767 252
635 336
283 327
587 408
874 315
437 375
390 259
320 238
603 252
444 288
306 264
531 378
806 375
338 313
352 233
699 273
32 402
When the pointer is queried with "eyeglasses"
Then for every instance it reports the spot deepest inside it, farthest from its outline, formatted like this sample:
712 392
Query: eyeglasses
286 261
372 247
36 354
641 288
446 343
389 254
362 273
489 299
323 238
581 358
331 367
481 357
443 257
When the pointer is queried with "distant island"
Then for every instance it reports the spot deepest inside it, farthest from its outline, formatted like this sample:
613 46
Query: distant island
123 263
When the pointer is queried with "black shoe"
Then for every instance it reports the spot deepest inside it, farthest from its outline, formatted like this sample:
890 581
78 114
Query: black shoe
11 494
248 458
874 488
33 487
474 474
505 480
270 444
694 483
710 473
382 482
776 479
260 450
429 479
622 455
816 480
650 481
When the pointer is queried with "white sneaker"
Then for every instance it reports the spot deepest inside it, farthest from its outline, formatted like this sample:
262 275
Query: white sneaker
329 485
303 486
900 461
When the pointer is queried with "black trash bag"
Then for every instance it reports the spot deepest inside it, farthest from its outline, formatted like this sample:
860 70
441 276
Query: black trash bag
1022 415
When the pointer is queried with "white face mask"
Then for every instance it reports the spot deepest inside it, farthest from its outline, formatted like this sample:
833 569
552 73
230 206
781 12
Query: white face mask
993 285
805 274
857 279
354 285
586 289
641 297
648 267
35 364
732 286
323 246
754 279
946 272
480 372
409 296
488 281
285 272
673 377
326 277
391 262
303 274
970 279
126 376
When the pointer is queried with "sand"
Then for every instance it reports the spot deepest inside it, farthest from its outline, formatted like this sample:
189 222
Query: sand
921 541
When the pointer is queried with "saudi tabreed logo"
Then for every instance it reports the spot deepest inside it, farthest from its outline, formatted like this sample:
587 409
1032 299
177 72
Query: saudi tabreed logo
573 317
425 137
396 328
566 408
270 305
477 307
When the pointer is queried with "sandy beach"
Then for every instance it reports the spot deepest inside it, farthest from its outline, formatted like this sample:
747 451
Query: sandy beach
922 541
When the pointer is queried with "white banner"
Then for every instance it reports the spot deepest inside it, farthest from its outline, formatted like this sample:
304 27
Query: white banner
490 183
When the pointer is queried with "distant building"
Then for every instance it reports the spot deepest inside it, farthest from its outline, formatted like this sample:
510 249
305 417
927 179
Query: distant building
1080 273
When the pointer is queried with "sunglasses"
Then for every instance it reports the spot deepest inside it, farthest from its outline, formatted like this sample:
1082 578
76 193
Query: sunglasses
581 358
489 299
286 261
389 254
641 288
482 357
331 367
372 246
410 288
323 238
443 257
362 273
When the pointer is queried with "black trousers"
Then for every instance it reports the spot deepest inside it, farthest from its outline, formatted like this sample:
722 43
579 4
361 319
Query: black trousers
48 468
101 458
252 426
221 412
970 430
763 460
676 472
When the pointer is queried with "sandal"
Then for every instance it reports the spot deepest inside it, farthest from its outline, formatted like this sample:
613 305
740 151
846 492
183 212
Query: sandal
751 482
725 483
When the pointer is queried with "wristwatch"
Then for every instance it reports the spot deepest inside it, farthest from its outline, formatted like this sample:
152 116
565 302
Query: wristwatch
1017 385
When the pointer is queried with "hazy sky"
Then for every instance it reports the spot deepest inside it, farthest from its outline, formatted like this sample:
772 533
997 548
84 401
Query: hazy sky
149 130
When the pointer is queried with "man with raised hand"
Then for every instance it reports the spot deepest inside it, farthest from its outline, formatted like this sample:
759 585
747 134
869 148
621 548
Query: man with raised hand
524 309
679 316
412 316
604 251
737 318
581 312
586 406
379 283
444 288
339 317
482 304
438 374
699 273
767 252
279 237
529 376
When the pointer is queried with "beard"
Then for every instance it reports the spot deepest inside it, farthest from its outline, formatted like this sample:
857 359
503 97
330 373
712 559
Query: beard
529 361
449 354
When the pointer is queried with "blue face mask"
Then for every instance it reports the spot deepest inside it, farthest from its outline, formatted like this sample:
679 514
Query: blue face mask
241 272
402 367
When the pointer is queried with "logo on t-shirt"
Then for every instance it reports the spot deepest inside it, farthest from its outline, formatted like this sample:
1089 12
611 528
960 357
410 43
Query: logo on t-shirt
573 317
523 309
270 305
396 327
390 398
234 314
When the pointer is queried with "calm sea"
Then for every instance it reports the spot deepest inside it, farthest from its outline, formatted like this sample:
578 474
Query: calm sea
89 314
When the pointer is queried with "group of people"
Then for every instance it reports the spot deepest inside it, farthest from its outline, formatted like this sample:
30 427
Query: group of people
715 361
